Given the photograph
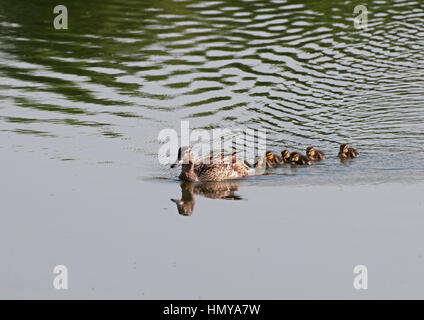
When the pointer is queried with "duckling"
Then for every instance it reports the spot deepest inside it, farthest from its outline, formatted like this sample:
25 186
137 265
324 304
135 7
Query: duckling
286 156
259 166
346 152
259 163
272 160
314 154
297 158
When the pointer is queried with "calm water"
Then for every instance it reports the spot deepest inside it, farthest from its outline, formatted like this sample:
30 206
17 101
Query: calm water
80 113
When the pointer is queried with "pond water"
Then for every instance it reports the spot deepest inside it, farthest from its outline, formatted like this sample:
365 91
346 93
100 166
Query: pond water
80 114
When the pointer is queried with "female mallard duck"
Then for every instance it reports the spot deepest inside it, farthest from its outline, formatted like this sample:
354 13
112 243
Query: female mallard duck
272 160
222 167
346 152
297 158
314 154
286 156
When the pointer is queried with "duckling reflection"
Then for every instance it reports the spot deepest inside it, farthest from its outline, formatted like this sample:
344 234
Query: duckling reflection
212 189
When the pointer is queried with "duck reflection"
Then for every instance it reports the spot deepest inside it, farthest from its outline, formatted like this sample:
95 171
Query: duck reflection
212 189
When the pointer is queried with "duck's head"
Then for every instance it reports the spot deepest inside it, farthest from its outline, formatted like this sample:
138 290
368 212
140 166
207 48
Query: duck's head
310 151
285 154
295 157
185 156
269 155
344 148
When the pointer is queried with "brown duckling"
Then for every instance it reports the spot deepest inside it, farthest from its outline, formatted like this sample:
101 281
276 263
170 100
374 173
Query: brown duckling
297 158
259 163
286 156
346 152
314 154
272 160
259 166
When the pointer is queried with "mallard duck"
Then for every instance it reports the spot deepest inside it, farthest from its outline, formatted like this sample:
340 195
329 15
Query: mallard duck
222 167
297 158
314 155
346 152
272 160
286 156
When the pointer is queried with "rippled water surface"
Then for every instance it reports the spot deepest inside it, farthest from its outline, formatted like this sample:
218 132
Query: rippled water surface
101 91
81 110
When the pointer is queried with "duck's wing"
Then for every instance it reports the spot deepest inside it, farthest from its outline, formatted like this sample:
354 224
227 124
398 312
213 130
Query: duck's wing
305 160
269 164
321 155
278 159
218 172
353 153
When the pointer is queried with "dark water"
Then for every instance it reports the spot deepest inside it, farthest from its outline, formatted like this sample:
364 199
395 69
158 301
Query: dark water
80 113
299 69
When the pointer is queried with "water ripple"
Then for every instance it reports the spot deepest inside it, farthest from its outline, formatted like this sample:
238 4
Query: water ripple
300 70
